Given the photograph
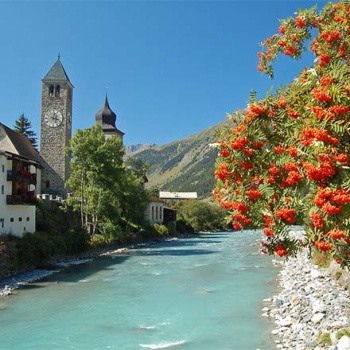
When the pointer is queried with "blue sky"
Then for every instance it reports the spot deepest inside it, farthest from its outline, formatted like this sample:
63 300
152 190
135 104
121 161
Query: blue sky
171 68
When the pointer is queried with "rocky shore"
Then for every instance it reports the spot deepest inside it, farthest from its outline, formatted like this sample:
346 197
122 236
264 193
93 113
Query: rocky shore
312 309
9 284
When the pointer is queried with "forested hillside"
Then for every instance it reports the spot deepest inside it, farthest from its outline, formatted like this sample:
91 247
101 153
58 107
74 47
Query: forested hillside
185 165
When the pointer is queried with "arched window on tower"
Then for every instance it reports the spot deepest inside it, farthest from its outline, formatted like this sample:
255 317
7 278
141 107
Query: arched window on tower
57 91
51 88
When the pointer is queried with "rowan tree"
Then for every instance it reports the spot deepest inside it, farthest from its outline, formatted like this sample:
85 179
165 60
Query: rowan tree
286 160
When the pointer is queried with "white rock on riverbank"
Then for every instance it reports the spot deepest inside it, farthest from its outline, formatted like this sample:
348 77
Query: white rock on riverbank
311 303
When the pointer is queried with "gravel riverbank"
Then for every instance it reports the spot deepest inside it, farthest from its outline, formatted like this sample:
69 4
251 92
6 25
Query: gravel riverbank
7 285
311 309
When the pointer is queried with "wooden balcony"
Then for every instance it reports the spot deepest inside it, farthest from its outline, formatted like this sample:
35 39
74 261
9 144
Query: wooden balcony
24 199
21 176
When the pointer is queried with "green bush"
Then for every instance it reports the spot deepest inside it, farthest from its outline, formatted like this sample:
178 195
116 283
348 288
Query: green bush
148 232
201 215
98 240
162 230
36 249
76 241
171 226
183 227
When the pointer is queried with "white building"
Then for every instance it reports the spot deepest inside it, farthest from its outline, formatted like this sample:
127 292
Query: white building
155 212
19 172
177 195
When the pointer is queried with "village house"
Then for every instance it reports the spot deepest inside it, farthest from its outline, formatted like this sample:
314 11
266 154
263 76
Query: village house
19 179
26 174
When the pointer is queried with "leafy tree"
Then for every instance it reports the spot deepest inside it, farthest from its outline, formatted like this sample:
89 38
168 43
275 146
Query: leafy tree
201 216
287 159
24 127
133 199
153 192
137 166
96 179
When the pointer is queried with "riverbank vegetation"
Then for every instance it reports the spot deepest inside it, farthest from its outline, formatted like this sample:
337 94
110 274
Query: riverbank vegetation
106 208
286 161
61 235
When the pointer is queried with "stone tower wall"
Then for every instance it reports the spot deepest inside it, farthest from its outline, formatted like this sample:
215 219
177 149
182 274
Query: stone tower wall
55 140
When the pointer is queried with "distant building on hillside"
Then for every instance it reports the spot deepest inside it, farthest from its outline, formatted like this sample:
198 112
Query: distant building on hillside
20 172
177 195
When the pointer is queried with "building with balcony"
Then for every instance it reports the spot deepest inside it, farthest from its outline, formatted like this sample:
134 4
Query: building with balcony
19 179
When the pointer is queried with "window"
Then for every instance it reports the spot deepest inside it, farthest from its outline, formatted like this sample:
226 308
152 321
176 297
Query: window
12 220
28 218
3 168
2 189
57 91
2 223
51 90
19 219
47 184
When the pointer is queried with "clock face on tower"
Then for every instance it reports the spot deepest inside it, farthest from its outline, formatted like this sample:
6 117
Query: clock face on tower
53 118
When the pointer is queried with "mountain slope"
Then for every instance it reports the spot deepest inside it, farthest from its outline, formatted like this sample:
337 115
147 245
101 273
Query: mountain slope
185 165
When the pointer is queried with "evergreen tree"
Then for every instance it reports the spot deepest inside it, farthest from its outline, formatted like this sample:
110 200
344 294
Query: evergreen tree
24 127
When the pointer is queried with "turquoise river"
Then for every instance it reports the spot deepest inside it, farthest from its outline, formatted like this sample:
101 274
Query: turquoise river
199 293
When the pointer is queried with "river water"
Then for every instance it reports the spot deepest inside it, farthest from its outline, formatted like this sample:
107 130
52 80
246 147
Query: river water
202 293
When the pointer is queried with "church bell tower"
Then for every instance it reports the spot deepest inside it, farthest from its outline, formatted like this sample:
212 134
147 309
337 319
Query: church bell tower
56 129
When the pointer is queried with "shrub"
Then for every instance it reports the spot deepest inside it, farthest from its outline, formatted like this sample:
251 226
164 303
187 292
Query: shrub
162 230
183 227
77 241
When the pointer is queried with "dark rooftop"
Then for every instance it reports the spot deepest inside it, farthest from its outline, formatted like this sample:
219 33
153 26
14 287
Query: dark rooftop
21 145
57 72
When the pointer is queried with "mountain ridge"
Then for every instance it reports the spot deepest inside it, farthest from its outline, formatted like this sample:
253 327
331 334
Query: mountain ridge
186 165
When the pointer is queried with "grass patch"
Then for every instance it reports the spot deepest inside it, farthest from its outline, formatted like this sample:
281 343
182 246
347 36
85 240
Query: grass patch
342 332
338 274
322 259
325 339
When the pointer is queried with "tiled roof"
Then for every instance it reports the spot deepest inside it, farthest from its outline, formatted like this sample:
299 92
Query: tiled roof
57 73
15 143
